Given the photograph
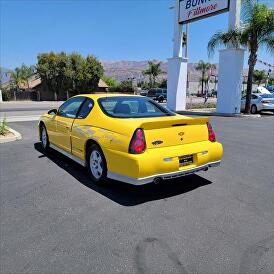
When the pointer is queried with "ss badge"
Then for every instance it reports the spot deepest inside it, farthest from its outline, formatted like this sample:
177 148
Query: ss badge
157 142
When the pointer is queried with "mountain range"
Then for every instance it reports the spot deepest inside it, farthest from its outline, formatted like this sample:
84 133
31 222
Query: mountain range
124 70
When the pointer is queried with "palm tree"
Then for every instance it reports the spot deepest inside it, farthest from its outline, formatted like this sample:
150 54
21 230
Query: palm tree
257 31
203 67
153 71
259 76
17 77
27 72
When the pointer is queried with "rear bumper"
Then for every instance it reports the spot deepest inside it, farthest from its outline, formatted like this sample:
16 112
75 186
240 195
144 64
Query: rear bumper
267 107
164 176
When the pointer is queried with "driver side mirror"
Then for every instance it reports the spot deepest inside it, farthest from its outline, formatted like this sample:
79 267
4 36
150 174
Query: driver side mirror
52 111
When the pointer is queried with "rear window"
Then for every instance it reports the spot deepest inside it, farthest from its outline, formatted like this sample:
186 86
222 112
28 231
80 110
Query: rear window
132 107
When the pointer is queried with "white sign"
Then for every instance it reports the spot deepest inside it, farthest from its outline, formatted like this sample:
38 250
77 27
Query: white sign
191 10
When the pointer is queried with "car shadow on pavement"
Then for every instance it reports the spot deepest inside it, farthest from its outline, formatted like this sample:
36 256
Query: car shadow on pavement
122 193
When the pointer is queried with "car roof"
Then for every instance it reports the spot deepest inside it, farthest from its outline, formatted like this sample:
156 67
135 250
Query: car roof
106 95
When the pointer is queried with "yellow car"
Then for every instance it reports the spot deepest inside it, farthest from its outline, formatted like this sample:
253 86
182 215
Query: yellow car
129 138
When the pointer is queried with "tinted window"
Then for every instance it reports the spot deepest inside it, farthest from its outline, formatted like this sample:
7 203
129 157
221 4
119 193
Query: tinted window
85 109
132 107
70 108
253 96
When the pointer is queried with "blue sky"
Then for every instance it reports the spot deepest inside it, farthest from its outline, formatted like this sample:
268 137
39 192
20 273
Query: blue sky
108 29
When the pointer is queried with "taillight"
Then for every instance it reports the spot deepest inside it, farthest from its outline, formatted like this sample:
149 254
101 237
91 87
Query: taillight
138 143
211 134
266 101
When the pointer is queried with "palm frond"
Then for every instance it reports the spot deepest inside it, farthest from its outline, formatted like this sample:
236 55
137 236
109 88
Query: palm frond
221 38
269 44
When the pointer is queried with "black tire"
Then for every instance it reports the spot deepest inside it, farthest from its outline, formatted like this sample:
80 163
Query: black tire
253 109
93 167
44 138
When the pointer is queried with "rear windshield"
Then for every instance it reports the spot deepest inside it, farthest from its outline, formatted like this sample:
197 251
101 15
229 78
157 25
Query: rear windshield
132 107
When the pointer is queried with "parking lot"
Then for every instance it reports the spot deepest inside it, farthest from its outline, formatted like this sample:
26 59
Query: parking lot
54 220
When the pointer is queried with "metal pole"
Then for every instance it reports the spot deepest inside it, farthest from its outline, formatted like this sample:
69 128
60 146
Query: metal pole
186 49
178 33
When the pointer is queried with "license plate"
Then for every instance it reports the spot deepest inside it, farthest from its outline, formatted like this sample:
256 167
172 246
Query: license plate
185 160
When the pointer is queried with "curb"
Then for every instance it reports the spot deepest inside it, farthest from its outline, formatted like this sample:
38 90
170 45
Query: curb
17 136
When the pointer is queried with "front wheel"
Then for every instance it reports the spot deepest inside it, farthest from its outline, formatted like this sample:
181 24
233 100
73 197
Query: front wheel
44 137
96 164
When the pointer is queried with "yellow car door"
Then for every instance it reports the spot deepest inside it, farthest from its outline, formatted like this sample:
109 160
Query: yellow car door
64 120
81 129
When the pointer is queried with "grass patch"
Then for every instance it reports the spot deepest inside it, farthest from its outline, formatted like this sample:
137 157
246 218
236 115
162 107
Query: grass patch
3 127
200 105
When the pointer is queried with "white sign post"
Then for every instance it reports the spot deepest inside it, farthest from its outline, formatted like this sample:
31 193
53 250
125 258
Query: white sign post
186 11
177 70
231 63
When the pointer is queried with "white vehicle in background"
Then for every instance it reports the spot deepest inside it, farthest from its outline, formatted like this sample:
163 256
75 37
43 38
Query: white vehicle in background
263 90
259 102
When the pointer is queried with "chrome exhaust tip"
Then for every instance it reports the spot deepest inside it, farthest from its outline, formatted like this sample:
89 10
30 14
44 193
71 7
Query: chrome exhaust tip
157 180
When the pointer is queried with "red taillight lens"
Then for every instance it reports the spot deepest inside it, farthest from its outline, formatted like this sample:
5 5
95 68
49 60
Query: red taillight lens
266 101
211 134
138 143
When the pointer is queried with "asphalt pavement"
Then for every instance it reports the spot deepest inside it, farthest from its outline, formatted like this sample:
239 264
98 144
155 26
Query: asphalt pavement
16 111
54 220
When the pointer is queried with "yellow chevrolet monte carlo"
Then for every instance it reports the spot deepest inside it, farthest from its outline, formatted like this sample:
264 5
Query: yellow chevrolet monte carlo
129 138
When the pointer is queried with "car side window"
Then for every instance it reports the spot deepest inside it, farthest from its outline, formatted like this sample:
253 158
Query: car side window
70 108
253 97
85 109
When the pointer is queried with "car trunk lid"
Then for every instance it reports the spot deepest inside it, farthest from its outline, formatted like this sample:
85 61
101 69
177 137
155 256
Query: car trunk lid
172 132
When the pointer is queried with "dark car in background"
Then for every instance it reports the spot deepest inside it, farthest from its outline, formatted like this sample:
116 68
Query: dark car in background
158 94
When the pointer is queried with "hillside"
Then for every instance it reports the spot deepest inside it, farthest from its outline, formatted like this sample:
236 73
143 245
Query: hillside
122 70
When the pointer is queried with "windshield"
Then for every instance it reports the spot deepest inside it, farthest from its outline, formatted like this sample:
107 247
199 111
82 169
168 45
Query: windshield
132 107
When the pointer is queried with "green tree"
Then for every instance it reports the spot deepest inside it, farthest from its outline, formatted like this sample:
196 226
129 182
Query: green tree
203 67
259 76
17 77
27 72
111 82
256 32
124 86
143 85
62 72
153 71
51 68
90 75
163 83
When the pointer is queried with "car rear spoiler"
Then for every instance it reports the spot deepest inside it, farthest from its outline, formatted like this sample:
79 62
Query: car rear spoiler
174 123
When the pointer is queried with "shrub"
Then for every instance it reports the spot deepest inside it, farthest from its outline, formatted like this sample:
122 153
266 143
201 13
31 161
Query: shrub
5 95
3 127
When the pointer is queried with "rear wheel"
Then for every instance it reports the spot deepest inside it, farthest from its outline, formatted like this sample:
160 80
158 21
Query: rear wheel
96 164
44 137
253 109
